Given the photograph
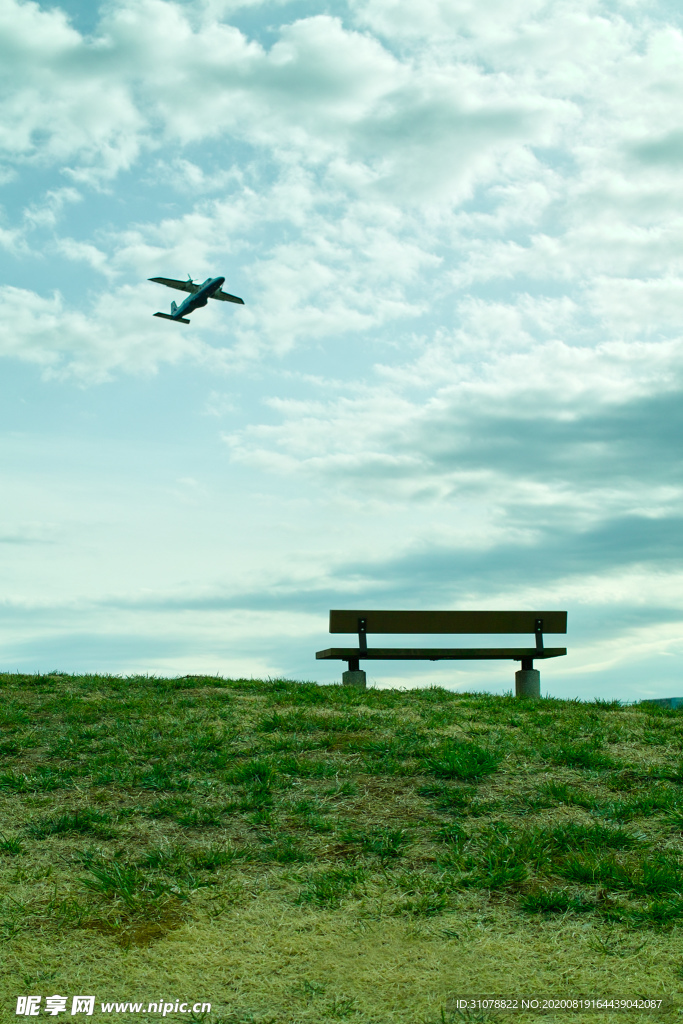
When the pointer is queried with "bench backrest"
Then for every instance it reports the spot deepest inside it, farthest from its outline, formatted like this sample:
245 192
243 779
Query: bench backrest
447 622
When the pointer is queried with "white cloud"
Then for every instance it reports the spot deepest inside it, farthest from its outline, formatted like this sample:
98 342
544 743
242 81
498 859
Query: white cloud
322 91
445 18
637 307
371 148
59 100
523 431
46 213
83 252
185 176
220 403
12 240
92 346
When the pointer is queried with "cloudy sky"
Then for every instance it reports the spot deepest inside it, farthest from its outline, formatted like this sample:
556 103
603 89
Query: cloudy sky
456 379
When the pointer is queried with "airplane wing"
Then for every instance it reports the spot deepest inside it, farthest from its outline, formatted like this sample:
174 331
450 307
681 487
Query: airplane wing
220 294
182 286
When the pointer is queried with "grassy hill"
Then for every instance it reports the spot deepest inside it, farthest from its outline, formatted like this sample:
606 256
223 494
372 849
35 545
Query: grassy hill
298 853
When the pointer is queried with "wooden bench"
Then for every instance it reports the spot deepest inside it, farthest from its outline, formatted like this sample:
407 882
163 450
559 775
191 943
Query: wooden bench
527 680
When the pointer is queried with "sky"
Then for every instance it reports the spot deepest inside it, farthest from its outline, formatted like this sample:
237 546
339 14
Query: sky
456 379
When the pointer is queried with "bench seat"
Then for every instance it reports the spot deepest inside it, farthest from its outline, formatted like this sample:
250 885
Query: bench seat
440 653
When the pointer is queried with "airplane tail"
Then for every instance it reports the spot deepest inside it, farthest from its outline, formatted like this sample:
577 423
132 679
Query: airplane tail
174 307
175 319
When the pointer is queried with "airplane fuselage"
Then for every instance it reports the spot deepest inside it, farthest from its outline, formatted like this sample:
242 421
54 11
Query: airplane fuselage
200 298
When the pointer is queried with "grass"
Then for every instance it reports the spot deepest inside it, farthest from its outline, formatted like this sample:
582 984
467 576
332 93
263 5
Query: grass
461 760
295 853
328 887
81 821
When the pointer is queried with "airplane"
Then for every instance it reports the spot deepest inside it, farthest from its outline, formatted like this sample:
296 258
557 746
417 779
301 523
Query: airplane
199 295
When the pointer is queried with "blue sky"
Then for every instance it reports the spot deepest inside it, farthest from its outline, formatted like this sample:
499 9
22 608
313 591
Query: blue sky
456 380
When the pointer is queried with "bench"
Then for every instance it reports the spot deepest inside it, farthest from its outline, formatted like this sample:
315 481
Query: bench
527 680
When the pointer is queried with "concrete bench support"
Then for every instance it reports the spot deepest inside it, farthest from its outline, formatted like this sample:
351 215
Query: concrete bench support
356 679
528 683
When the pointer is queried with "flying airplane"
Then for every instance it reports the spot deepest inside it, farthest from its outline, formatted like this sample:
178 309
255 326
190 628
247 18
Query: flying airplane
199 295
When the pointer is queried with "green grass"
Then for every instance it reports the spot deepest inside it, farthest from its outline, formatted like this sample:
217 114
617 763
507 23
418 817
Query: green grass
553 793
456 760
556 901
329 887
81 821
384 843
138 811
445 797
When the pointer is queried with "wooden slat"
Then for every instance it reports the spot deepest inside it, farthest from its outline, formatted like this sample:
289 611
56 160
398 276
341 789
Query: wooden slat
345 621
440 653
